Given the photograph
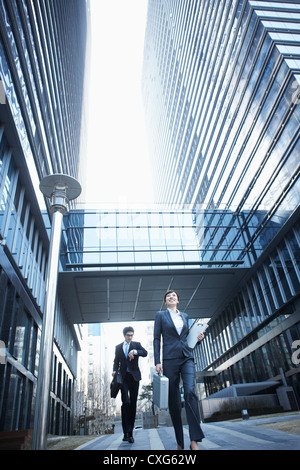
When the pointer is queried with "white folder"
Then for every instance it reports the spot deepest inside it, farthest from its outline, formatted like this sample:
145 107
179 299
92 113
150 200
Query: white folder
194 331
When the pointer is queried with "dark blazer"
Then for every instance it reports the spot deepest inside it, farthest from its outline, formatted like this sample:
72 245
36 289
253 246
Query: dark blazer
174 345
125 364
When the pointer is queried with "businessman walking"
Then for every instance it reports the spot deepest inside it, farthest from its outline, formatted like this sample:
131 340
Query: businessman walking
126 360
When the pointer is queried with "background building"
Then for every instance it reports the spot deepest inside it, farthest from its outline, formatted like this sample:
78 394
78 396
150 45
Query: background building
221 93
42 67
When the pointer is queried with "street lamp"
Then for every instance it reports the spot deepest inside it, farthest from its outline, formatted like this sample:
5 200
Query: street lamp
60 189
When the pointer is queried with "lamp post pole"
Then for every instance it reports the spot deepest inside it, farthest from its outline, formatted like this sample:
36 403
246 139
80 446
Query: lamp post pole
60 189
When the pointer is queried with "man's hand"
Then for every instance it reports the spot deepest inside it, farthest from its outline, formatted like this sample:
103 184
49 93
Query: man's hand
159 368
131 355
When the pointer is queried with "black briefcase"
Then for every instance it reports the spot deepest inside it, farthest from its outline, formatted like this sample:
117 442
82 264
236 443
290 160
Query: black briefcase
115 385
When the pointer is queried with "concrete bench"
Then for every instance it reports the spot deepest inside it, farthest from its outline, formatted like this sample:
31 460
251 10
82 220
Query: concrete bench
16 440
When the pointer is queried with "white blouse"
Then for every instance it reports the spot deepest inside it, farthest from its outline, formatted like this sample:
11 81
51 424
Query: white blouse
177 320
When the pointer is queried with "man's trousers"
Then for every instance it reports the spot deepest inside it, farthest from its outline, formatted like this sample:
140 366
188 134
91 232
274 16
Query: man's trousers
129 394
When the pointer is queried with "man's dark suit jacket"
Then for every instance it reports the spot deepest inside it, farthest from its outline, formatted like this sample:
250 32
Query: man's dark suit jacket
125 364
174 345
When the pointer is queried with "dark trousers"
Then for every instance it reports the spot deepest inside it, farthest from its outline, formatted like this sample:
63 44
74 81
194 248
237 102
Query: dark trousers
129 394
184 368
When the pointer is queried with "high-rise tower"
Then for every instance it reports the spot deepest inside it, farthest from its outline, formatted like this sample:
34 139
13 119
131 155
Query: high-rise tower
42 72
221 82
221 86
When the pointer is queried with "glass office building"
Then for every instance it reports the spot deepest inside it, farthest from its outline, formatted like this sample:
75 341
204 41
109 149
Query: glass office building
221 93
42 66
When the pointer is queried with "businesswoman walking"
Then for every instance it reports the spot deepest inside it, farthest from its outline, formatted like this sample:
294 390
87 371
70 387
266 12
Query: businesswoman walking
172 326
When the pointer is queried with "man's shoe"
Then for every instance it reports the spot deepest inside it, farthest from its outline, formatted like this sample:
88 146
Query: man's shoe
131 440
126 436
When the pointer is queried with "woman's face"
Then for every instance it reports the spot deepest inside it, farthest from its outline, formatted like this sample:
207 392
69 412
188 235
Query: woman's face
172 299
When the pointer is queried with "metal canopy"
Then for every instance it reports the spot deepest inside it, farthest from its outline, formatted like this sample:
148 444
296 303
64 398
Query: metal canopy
114 296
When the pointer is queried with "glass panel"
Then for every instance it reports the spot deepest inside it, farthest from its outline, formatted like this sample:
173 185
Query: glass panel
274 283
175 256
21 343
192 256
142 257
295 248
157 237
125 238
33 346
125 257
267 289
141 237
108 257
108 237
263 310
173 238
155 219
91 240
159 256
289 266
277 14
282 277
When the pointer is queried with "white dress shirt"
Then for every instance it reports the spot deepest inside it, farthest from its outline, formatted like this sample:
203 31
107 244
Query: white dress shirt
124 346
177 320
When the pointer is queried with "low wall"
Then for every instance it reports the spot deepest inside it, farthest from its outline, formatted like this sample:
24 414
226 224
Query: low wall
233 405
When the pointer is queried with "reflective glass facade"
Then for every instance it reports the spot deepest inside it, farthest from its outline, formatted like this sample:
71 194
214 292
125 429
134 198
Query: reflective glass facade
269 297
221 93
41 45
42 61
220 83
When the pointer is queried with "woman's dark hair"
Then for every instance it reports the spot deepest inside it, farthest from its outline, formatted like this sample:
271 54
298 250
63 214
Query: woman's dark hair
126 329
169 292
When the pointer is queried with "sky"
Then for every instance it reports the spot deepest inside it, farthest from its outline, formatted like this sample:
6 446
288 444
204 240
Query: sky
118 168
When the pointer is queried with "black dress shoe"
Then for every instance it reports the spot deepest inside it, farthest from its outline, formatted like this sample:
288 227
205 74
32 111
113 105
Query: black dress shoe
131 440
126 436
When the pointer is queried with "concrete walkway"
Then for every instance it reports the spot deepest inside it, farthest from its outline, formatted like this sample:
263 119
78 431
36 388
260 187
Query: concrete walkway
225 435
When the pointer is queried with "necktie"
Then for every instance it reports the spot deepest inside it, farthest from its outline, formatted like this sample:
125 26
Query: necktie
126 349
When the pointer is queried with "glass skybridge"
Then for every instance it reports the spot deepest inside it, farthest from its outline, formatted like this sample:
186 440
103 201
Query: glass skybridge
117 264
160 239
